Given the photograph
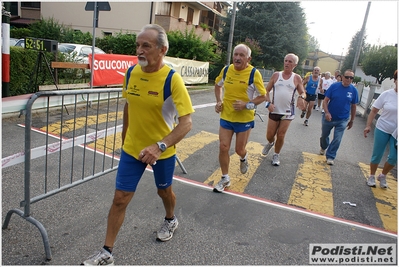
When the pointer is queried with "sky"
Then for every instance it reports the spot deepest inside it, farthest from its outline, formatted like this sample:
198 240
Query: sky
334 23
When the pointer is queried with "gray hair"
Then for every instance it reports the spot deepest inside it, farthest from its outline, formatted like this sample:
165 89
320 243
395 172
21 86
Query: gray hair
162 39
246 47
328 73
296 58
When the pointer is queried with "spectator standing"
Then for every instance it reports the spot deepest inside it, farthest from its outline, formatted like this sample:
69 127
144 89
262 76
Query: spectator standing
336 74
281 108
236 106
148 134
312 83
340 110
385 133
323 87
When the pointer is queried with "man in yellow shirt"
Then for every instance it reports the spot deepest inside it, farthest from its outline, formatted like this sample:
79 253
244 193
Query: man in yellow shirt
236 105
154 94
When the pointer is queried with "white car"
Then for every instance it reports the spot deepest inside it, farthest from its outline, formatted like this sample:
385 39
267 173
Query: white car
78 52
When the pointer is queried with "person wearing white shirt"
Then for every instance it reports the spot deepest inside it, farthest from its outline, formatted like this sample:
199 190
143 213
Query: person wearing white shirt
323 87
385 133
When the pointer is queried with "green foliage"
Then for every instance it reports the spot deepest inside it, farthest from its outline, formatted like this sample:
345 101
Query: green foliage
278 27
47 29
313 44
20 33
350 56
380 62
188 45
24 74
124 44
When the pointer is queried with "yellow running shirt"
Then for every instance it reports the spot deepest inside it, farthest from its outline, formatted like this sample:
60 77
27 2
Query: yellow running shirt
236 87
151 117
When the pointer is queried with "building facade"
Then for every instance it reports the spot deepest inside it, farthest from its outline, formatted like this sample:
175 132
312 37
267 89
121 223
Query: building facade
203 17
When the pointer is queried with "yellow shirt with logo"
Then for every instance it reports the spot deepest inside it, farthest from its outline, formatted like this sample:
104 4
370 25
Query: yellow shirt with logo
236 87
151 117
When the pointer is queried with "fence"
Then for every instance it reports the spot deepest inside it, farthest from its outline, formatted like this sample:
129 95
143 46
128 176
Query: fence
79 141
76 155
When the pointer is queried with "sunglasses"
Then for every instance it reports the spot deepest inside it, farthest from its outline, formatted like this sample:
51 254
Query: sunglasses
349 77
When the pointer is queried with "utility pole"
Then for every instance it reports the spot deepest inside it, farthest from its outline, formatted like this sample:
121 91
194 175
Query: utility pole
5 53
230 43
359 47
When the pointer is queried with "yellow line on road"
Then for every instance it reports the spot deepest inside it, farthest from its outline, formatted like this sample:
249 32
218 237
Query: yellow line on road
387 201
312 189
189 145
70 125
238 180
107 143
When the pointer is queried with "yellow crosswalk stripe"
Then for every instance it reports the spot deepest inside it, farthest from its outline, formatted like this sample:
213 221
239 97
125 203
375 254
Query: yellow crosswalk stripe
108 144
190 145
312 189
238 180
387 199
70 125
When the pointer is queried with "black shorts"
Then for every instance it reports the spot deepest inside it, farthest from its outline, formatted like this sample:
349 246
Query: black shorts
310 97
320 96
279 117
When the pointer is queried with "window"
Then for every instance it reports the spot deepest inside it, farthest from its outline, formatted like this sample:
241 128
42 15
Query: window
190 15
107 33
31 4
307 62
163 8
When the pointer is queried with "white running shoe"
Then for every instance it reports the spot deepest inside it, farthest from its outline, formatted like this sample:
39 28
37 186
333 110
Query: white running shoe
276 160
243 166
103 257
266 149
222 184
167 229
383 181
371 181
330 161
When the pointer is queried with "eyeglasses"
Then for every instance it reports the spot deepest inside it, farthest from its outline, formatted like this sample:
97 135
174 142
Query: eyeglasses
349 77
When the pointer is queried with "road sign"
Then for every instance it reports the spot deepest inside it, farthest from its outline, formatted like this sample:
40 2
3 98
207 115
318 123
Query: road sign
101 6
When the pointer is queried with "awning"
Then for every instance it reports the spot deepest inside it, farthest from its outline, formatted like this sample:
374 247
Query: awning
22 21
202 6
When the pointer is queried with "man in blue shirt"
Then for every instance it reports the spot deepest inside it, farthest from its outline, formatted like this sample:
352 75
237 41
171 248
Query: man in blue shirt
339 106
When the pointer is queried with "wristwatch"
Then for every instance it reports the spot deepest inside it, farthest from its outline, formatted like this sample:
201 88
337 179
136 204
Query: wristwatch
162 146
250 105
267 104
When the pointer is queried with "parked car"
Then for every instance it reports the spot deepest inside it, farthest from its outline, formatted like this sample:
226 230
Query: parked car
78 52
13 41
20 42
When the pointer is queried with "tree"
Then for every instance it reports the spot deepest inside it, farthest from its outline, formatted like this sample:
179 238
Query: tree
278 27
380 62
188 45
350 55
313 44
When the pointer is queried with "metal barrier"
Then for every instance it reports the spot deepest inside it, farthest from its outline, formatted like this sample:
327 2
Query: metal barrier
70 143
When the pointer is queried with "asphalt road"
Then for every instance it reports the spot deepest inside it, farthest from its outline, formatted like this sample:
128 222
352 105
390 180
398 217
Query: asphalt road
269 216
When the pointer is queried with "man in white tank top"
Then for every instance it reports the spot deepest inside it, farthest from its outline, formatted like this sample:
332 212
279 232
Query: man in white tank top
282 106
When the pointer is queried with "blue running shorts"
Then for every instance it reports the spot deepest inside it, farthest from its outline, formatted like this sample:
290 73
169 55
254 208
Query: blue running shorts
237 127
130 171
